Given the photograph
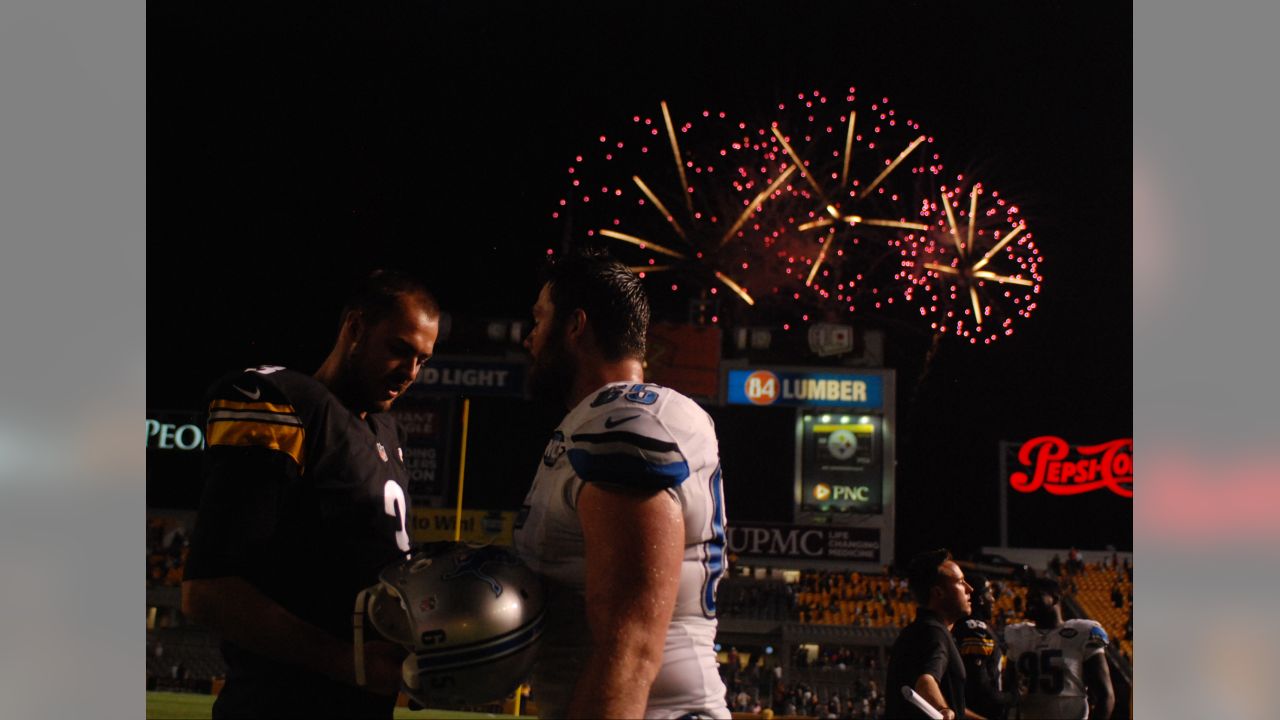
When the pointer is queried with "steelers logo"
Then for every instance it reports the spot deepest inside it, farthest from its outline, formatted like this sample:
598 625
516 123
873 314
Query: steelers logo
822 492
842 444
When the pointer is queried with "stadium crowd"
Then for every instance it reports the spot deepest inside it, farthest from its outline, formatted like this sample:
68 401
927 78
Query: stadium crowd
836 682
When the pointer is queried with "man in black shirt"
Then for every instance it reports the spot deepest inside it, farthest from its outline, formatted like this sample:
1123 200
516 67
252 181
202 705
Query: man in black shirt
982 653
305 501
924 657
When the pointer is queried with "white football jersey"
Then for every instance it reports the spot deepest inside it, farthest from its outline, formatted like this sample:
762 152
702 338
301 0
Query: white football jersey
1050 665
636 435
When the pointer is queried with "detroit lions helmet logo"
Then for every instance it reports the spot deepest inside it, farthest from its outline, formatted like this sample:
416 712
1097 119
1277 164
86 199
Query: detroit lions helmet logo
473 563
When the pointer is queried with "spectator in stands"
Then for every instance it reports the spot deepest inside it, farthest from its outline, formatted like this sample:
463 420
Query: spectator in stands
1075 565
1055 565
1117 596
925 657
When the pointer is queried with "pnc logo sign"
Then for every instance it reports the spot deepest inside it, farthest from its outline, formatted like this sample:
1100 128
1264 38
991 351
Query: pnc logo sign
761 387
823 492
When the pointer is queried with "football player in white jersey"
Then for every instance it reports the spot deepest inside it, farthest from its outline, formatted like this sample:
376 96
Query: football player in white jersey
625 520
1059 667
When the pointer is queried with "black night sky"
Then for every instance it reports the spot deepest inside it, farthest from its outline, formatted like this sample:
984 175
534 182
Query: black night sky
291 149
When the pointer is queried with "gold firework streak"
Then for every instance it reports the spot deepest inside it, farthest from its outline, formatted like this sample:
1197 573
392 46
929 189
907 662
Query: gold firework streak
848 149
977 311
831 210
973 210
988 275
942 268
735 287
859 220
821 223
951 220
641 242
884 173
822 255
1003 241
755 204
888 223
661 208
675 151
637 269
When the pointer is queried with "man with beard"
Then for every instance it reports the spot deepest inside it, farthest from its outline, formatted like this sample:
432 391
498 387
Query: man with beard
625 518
305 501
981 652
924 658
1060 668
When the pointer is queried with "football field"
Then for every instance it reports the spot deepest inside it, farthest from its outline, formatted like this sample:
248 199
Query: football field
191 706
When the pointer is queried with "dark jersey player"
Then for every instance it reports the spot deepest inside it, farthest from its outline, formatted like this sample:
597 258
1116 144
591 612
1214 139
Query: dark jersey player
981 652
305 501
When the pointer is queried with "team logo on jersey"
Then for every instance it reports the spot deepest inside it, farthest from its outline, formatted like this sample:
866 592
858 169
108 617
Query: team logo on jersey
554 450
822 492
761 387
1068 633
382 452
473 563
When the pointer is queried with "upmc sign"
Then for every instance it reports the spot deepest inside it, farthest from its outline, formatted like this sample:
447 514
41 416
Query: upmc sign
1058 469
809 389
805 543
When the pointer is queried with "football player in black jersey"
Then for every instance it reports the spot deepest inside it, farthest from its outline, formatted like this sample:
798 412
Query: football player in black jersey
981 652
305 501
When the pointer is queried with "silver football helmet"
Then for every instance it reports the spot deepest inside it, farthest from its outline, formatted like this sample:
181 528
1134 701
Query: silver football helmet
469 615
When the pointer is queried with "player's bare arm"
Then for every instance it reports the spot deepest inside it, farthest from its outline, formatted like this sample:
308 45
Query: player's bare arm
239 612
1097 678
634 548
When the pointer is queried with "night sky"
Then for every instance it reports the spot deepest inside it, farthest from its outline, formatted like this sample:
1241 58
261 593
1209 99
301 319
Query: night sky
288 151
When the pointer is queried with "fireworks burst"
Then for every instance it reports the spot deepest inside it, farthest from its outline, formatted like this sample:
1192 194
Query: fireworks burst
976 270
681 191
791 212
812 213
858 187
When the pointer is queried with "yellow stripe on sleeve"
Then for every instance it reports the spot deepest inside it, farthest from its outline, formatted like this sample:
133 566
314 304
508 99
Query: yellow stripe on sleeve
247 433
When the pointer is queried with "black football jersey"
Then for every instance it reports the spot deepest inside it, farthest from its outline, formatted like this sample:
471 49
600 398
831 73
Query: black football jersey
302 498
983 659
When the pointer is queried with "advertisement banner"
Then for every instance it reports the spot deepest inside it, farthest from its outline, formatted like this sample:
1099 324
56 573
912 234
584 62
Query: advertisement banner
175 430
764 386
426 423
840 467
800 543
460 376
478 526
1055 493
